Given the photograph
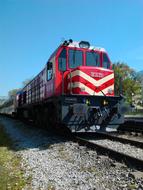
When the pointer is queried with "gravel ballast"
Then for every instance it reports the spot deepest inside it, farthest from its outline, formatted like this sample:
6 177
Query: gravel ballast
127 149
57 163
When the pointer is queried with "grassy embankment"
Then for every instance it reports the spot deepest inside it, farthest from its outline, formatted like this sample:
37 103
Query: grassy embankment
11 174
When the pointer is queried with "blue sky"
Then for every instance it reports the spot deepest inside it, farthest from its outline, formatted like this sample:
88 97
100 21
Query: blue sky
30 30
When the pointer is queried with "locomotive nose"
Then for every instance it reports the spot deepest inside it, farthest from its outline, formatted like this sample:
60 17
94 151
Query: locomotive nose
91 80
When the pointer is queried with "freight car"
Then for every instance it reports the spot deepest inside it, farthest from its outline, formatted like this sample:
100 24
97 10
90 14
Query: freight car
74 91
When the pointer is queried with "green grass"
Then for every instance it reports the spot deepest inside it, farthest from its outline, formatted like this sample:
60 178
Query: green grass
132 187
11 174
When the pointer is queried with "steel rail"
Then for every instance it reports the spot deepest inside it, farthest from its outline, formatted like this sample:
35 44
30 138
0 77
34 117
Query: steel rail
131 127
137 118
118 156
122 140
103 135
132 124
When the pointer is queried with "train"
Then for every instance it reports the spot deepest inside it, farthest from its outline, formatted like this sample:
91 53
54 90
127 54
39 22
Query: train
73 92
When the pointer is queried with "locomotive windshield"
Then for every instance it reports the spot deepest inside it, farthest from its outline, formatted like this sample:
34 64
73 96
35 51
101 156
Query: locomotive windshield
75 58
106 62
92 59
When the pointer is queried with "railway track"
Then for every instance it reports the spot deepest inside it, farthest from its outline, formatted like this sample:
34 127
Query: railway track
134 118
110 148
111 136
132 124
96 144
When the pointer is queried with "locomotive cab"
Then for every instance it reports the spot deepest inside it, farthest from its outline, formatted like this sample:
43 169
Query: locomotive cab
85 81
76 62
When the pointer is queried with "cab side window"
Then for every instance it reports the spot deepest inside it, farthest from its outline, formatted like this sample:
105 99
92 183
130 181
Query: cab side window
106 62
62 60
49 70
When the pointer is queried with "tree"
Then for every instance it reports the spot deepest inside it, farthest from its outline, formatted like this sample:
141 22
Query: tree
25 82
12 93
126 81
140 78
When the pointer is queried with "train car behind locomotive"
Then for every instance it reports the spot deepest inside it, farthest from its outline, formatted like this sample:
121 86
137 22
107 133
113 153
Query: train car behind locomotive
74 90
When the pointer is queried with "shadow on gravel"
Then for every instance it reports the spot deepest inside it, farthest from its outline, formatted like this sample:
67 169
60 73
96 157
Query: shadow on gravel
26 136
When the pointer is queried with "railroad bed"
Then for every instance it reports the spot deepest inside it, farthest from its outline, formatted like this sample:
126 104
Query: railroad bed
121 149
127 138
59 163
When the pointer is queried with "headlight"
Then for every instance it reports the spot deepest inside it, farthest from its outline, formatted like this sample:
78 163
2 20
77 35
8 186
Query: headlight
84 44
87 102
105 102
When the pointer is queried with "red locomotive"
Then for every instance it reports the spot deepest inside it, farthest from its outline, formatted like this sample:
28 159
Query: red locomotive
74 90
